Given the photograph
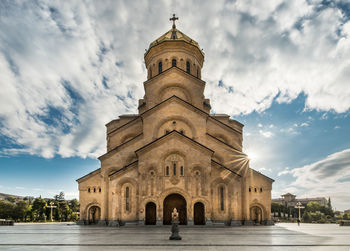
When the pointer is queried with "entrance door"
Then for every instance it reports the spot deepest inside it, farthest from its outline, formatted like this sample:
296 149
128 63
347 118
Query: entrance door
94 214
151 213
174 201
256 214
199 216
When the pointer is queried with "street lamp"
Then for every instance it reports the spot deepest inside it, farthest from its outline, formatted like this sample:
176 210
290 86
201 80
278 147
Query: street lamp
299 205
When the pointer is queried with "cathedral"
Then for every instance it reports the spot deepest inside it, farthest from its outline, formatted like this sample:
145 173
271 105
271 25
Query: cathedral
174 154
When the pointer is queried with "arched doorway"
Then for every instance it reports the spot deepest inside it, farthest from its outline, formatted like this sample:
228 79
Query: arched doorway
94 214
151 213
174 201
256 214
198 214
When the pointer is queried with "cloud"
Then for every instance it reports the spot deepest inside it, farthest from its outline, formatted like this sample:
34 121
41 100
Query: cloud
266 134
68 68
327 177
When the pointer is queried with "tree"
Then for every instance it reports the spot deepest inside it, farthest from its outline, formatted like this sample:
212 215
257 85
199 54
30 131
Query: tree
306 217
313 206
6 210
21 210
59 196
329 204
38 208
10 199
74 205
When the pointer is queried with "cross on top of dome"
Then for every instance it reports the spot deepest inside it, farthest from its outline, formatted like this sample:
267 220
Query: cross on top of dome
174 19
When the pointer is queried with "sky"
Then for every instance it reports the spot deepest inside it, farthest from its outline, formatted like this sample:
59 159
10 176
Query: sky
282 68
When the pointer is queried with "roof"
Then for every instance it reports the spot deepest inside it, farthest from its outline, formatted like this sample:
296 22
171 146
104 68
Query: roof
174 35
288 194
91 173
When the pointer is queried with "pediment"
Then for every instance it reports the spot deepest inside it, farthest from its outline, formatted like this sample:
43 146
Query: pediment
175 137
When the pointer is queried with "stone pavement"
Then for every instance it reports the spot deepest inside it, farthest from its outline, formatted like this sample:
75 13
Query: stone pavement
73 237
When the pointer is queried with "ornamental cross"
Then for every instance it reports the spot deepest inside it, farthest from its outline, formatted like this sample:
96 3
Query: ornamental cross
174 19
51 207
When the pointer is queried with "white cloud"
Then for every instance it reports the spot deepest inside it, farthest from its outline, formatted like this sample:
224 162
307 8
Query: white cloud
55 56
260 125
327 177
266 134
284 172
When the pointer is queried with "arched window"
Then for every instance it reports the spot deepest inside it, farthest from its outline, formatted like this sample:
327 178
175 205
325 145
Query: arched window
182 132
250 189
188 67
127 199
167 170
94 189
260 189
99 190
89 190
182 171
255 189
222 198
174 169
160 67
173 62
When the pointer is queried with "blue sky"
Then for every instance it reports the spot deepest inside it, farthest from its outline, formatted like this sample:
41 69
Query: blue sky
282 68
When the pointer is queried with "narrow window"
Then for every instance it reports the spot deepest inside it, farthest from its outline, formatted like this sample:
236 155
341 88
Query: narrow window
99 190
255 189
166 131
94 189
260 189
167 171
160 67
173 62
188 67
182 171
174 167
127 206
182 132
89 190
222 198
250 189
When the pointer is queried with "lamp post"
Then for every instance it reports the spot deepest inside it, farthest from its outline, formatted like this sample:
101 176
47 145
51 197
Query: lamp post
51 206
299 206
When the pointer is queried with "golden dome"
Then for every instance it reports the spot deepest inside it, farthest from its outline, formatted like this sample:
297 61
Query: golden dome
174 35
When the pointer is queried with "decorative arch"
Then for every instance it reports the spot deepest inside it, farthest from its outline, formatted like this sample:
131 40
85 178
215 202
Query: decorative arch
222 137
179 90
263 211
174 190
87 208
127 137
174 118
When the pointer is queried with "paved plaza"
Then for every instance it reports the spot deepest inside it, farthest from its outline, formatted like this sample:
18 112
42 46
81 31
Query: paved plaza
74 237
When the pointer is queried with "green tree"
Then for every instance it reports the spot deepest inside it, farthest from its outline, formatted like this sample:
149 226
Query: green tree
59 196
74 205
306 217
38 208
21 210
10 199
313 206
6 210
329 204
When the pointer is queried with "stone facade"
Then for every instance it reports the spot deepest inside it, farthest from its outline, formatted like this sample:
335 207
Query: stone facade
174 153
